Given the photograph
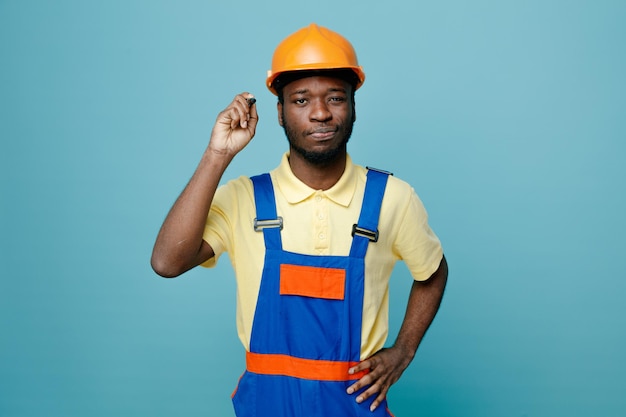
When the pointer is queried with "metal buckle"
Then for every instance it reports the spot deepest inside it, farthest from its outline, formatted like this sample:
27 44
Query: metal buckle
379 170
259 225
372 235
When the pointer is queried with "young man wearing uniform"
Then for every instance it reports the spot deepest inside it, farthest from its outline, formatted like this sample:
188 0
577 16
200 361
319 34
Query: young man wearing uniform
313 244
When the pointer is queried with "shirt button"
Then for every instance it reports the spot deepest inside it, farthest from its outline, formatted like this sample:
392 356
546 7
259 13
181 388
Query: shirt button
322 235
320 216
318 198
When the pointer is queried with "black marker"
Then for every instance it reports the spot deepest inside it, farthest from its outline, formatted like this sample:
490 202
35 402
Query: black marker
251 101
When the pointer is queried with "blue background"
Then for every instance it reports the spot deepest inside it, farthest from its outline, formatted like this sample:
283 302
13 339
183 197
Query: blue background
508 118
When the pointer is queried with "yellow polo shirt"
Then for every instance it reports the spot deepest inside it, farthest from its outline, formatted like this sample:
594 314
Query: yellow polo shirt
320 223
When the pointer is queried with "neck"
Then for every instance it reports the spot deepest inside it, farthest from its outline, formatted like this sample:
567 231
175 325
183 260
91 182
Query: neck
318 176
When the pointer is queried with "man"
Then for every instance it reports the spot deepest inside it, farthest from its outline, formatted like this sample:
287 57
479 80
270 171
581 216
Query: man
313 244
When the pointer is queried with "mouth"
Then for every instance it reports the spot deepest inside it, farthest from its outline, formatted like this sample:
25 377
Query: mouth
323 133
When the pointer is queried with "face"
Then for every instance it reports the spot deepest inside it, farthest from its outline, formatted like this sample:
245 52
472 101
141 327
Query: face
317 115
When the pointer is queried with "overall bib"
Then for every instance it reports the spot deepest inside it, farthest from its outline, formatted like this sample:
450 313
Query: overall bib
306 332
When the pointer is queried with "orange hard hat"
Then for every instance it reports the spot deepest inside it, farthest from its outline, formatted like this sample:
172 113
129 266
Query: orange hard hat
313 48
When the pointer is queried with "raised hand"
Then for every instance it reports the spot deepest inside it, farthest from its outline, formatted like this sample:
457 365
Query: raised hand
235 126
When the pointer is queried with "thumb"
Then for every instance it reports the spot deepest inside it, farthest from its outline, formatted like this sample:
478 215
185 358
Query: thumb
254 118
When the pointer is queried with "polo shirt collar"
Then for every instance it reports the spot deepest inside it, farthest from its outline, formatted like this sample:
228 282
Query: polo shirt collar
295 191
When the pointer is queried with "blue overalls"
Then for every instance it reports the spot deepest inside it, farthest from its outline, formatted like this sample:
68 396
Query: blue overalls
306 332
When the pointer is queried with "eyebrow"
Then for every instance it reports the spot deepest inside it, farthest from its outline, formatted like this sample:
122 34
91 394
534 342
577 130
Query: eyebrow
297 92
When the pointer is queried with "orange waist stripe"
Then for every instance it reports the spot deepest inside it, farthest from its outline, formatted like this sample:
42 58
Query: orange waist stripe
321 370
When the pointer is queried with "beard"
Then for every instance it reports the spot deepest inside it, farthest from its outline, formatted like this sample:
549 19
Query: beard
319 158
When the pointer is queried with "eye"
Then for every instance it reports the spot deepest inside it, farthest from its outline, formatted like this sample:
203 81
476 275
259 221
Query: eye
337 99
300 101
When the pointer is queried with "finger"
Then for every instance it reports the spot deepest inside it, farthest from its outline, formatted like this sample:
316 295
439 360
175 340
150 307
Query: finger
372 390
232 115
366 380
244 103
379 399
243 113
229 117
363 382
362 366
366 365
235 117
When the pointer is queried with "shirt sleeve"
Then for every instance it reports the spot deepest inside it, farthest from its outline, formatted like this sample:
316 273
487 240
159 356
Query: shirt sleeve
218 231
416 243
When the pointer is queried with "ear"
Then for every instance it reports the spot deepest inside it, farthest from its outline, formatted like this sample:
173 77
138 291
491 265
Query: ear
279 108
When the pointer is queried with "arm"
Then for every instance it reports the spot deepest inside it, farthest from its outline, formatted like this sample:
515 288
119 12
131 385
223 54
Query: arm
179 245
387 365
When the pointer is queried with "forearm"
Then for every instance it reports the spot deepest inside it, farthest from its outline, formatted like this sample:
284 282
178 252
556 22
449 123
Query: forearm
424 301
179 242
179 245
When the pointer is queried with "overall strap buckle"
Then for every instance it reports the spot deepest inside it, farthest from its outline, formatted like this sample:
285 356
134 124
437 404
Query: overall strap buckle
259 225
372 235
367 225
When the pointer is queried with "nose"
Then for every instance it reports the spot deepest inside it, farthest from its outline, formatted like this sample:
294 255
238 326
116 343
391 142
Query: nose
320 111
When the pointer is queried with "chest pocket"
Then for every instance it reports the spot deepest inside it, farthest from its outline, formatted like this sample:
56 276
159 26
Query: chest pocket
311 281
312 310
